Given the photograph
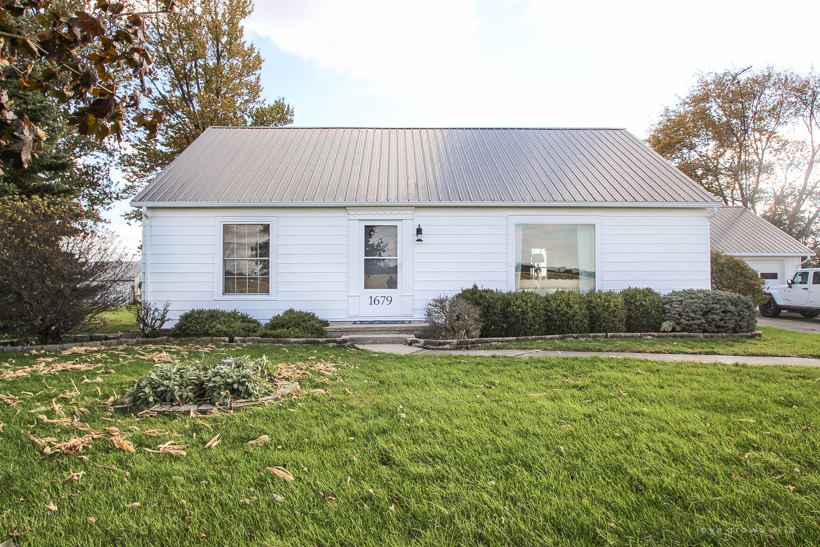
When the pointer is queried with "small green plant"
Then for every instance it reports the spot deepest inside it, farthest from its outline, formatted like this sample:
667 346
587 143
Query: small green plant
295 324
215 323
607 312
244 379
566 313
150 317
709 311
453 318
644 309
177 384
188 383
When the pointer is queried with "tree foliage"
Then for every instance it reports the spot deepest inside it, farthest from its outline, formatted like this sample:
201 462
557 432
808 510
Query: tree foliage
69 166
205 74
89 56
750 137
53 269
733 274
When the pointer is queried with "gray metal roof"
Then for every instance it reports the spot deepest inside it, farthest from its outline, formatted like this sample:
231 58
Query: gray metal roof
738 231
346 166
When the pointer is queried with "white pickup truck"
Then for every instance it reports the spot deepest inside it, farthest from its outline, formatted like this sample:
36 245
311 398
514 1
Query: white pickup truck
801 294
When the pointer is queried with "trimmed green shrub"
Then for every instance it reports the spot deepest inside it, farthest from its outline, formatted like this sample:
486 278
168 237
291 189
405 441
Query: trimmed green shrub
565 312
215 323
524 314
735 275
709 311
295 324
189 383
453 318
607 312
644 309
491 303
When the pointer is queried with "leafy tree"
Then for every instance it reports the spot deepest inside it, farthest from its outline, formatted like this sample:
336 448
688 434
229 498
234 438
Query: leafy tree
204 74
794 206
53 268
87 56
723 133
750 137
735 275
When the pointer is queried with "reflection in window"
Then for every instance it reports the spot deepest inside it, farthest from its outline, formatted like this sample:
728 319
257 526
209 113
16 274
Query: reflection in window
381 263
246 258
801 278
554 257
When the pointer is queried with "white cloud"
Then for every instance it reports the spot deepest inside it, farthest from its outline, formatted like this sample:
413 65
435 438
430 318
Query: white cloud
422 53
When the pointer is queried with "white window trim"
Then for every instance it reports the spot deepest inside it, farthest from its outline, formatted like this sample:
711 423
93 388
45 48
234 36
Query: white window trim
552 219
218 266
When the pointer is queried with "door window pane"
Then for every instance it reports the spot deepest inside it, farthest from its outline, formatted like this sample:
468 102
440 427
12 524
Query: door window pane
554 257
380 271
246 258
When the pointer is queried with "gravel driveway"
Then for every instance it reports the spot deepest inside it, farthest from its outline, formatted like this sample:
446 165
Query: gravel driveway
791 321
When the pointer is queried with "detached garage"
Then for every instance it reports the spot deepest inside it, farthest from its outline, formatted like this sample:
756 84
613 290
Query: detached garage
372 223
775 255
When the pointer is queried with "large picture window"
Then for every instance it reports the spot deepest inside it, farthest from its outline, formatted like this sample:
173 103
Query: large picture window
554 257
246 258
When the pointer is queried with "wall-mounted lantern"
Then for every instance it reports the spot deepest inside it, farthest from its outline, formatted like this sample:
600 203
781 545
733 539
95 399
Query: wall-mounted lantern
418 234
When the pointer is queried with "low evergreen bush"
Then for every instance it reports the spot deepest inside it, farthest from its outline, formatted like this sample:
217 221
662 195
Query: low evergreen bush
196 323
524 314
491 303
644 309
294 324
607 312
733 274
565 312
709 311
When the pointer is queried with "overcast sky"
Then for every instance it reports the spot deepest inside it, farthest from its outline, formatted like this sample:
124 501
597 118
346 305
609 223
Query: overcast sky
513 63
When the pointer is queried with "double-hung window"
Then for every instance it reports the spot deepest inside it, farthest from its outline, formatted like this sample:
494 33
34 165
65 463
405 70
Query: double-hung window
246 258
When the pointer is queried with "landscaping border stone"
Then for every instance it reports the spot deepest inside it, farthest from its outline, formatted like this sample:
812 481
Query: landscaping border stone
93 341
476 342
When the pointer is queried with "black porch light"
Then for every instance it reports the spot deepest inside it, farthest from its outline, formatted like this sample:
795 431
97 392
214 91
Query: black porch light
418 234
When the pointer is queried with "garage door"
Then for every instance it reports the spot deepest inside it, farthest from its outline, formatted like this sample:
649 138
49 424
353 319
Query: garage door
771 271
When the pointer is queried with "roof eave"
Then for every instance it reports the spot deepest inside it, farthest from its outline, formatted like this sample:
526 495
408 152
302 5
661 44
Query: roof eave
326 204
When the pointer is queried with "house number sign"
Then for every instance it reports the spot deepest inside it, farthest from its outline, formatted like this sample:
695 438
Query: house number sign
380 301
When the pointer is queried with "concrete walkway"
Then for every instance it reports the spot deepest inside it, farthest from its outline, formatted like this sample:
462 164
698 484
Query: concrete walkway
398 349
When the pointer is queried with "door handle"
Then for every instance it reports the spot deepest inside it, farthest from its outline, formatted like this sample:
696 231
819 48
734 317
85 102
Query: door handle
805 288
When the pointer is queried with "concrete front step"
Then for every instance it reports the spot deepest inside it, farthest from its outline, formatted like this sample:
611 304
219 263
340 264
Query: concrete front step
369 339
338 329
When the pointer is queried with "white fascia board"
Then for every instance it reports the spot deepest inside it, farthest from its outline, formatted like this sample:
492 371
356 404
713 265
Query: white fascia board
317 204
768 255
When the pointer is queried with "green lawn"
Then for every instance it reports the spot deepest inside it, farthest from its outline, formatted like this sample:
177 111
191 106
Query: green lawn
117 320
441 451
776 342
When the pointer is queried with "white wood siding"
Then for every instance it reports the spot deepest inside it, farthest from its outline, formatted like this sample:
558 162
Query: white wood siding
663 248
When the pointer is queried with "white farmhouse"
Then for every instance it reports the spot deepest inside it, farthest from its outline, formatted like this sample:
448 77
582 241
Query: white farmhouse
371 223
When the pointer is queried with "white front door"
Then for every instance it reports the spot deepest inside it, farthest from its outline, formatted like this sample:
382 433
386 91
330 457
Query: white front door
382 275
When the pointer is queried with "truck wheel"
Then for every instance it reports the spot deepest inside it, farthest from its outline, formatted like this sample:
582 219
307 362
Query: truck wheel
770 308
810 314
